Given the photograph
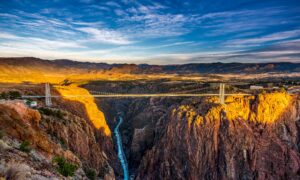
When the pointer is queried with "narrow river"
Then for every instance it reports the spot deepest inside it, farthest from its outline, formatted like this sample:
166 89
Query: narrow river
121 154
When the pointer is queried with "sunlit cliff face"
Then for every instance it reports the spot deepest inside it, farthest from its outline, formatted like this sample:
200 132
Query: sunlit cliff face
95 115
270 107
267 108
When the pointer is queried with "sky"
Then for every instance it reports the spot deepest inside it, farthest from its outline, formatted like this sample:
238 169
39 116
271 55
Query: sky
153 32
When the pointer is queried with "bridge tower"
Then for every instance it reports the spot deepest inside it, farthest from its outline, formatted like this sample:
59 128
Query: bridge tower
48 95
222 93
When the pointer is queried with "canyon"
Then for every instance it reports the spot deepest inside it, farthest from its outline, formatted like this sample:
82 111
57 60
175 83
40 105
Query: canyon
248 138
84 137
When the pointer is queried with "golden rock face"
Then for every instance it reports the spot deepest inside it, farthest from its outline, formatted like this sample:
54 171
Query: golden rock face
270 107
238 107
75 93
265 108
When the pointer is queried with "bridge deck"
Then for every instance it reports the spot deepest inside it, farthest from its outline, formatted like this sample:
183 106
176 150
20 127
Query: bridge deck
139 95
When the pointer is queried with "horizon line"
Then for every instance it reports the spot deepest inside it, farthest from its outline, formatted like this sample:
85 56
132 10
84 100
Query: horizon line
138 64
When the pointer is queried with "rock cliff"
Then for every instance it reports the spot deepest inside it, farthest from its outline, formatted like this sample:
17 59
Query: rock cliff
49 134
248 138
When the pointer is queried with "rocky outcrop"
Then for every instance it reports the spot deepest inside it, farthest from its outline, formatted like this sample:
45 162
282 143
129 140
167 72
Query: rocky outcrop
51 135
18 165
18 121
249 138
75 134
24 113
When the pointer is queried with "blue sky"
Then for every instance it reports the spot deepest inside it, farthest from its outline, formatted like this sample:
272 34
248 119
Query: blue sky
154 32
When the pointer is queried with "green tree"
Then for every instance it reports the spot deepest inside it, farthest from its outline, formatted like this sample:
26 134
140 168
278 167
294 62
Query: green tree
14 95
3 95
90 173
25 147
63 167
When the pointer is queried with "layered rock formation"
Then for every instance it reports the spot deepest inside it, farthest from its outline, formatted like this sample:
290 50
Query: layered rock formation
50 135
249 138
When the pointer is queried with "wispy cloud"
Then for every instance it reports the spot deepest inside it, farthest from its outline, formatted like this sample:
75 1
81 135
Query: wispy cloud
67 30
245 21
4 35
11 40
112 3
155 25
104 35
147 21
264 39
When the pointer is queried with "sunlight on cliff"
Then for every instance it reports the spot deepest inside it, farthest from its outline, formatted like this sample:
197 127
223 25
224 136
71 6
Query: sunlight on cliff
238 107
263 108
270 107
185 111
95 115
267 108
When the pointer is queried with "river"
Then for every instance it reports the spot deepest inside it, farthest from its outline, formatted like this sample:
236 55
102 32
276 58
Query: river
121 154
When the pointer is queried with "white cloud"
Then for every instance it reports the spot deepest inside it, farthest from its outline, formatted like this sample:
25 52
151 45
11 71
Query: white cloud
243 21
119 12
105 36
264 39
87 24
101 8
4 35
11 40
112 3
152 25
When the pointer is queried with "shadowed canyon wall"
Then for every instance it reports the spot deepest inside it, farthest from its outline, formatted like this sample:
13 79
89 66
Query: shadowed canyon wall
249 138
192 138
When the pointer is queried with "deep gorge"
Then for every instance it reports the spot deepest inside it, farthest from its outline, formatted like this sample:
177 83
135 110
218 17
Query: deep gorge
162 136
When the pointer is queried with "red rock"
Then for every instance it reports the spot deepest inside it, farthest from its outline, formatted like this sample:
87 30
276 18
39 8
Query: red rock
217 147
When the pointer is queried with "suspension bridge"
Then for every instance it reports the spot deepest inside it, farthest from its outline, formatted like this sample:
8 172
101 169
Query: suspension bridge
97 94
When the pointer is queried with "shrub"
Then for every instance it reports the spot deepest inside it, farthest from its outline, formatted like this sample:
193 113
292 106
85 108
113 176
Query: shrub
3 95
90 173
10 95
59 114
25 147
50 112
14 95
63 167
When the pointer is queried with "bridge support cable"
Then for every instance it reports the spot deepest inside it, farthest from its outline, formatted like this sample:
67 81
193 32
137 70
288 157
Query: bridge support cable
48 101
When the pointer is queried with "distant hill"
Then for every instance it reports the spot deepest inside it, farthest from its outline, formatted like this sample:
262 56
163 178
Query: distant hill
63 64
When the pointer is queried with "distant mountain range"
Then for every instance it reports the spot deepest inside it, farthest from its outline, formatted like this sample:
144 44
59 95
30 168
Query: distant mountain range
62 64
